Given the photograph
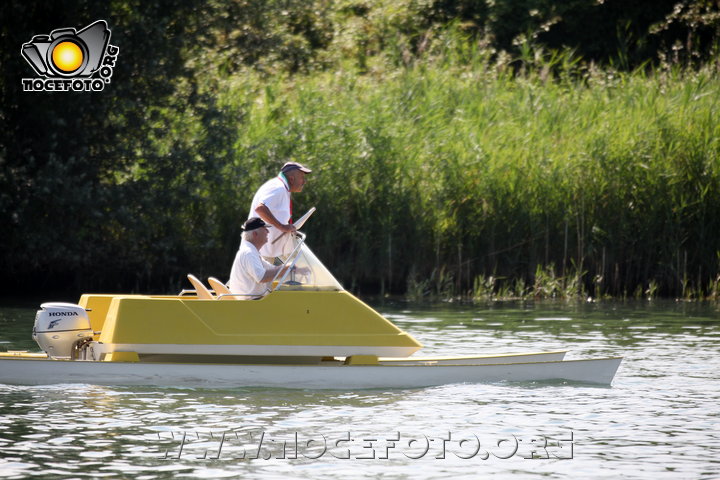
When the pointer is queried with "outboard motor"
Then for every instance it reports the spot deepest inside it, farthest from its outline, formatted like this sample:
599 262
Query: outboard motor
59 327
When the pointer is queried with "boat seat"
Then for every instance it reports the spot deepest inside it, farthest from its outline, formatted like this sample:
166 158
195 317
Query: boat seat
220 288
200 289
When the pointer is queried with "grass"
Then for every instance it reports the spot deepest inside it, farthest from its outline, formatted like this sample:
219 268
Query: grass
453 172
452 155
471 174
443 174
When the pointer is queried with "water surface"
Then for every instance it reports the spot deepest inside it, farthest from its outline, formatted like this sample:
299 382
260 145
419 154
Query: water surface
659 419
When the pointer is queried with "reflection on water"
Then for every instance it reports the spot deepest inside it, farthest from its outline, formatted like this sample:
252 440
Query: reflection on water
658 420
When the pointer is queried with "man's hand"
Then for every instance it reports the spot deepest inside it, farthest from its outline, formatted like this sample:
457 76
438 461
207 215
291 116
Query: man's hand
289 228
264 212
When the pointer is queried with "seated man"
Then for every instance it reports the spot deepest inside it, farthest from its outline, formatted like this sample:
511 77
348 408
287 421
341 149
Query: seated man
250 273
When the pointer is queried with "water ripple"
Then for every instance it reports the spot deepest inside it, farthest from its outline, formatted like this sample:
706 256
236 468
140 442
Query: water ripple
659 420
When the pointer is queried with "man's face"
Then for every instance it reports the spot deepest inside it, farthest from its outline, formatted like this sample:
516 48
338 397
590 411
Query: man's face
262 235
296 180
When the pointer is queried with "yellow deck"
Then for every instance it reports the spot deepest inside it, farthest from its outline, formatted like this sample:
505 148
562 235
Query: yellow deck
281 318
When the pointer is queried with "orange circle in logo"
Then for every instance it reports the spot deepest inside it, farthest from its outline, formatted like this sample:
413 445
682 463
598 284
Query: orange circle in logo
67 56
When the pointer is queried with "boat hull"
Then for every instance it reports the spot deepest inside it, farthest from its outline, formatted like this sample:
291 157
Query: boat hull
25 371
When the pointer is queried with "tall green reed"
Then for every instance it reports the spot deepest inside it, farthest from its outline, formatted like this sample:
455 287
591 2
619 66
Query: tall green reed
475 168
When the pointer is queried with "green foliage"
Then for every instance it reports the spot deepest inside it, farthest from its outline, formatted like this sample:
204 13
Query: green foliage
457 146
445 174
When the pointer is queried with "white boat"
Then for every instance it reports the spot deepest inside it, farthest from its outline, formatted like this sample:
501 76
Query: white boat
307 333
330 375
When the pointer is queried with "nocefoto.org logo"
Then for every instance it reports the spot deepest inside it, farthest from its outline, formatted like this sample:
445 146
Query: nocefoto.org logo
69 60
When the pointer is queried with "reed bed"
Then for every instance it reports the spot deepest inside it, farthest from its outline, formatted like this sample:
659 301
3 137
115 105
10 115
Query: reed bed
434 179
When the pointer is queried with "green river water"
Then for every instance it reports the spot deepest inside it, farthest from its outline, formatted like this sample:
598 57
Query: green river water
659 419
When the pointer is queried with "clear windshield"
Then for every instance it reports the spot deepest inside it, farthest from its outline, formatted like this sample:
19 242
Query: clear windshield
309 273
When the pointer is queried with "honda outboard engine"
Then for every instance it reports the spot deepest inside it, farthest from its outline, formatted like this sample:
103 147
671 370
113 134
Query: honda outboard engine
59 327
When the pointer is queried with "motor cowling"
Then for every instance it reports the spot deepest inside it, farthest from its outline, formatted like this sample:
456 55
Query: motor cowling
59 326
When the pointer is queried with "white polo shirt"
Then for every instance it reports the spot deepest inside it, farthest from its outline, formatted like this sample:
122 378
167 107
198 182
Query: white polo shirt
274 194
247 271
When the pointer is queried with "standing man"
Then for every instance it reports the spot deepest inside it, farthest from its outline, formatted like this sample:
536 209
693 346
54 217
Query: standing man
250 274
273 205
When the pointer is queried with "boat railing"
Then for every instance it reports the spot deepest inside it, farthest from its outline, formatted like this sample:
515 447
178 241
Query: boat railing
228 295
289 263
218 297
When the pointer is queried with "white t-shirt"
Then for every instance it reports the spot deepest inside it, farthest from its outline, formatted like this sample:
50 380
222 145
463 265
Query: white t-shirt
247 271
275 195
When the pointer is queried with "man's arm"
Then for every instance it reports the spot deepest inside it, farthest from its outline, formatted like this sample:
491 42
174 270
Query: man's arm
271 272
264 212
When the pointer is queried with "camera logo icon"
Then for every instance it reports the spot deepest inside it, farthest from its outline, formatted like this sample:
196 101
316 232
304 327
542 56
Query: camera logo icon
70 59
